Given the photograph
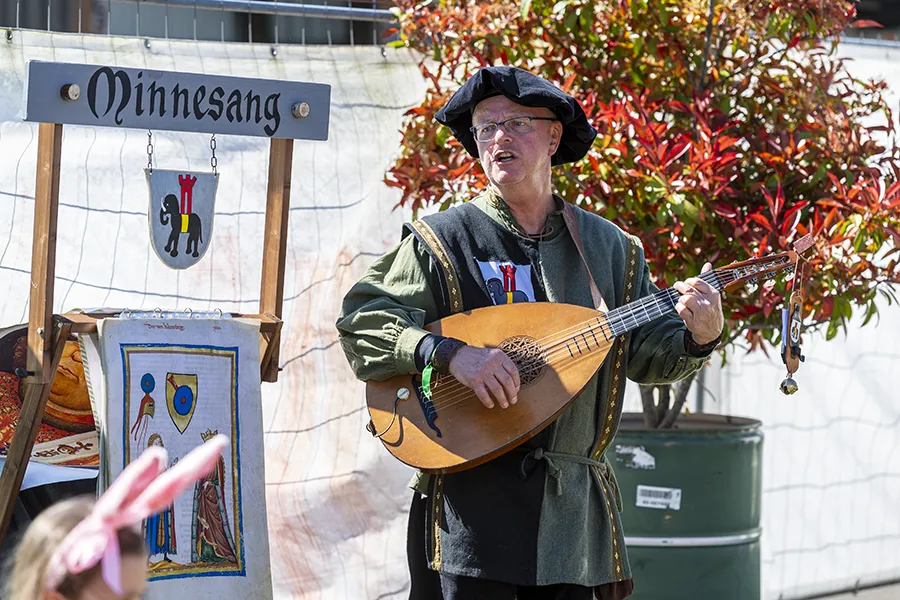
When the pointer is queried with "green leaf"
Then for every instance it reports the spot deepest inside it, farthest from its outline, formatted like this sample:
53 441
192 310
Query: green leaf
689 227
395 10
437 53
832 329
871 311
570 20
524 8
842 307
690 211
396 44
493 39
442 136
638 46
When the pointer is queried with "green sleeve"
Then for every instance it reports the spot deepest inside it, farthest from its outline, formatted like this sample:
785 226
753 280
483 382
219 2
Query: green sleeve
657 352
382 315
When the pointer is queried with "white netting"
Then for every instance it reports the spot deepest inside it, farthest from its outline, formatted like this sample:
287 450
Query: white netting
337 503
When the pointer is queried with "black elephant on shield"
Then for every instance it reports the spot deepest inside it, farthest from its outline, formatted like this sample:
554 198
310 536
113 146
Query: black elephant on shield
170 212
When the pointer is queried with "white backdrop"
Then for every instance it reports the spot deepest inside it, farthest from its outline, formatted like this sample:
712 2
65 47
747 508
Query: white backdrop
336 502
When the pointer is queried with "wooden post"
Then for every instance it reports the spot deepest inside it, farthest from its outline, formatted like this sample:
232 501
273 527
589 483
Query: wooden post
45 342
271 296
93 16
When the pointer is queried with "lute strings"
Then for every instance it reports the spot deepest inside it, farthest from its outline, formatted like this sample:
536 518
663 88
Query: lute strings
611 324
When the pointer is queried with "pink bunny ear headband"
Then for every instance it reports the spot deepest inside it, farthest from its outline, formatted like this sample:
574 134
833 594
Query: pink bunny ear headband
143 489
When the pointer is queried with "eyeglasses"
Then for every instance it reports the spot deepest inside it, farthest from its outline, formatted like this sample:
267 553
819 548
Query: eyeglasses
516 126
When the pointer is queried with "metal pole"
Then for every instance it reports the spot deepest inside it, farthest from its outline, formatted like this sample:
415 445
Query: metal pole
701 382
351 26
269 7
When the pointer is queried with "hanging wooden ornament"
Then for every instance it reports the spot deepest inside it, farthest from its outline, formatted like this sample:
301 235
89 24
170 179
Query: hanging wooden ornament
182 205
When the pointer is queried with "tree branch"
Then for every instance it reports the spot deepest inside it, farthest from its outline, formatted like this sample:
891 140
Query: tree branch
649 411
663 397
748 66
681 392
708 45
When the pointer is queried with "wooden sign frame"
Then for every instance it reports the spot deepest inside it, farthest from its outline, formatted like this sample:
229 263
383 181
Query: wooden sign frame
48 332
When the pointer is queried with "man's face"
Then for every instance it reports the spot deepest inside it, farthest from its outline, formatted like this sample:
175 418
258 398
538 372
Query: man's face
510 158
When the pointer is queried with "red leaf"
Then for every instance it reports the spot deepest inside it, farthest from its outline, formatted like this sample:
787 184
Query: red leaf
861 23
762 220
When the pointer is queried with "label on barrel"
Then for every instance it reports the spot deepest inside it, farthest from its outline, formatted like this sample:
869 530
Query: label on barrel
649 496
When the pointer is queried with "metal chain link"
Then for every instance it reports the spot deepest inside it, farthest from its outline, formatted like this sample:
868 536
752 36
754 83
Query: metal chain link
213 161
149 151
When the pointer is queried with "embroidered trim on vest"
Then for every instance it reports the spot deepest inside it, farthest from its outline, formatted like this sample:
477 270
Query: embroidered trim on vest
437 506
617 388
454 293
437 248
613 408
617 559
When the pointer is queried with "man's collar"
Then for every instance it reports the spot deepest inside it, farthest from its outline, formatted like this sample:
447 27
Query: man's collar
551 226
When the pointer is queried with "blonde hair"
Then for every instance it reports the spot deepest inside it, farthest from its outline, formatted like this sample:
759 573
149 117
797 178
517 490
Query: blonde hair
28 565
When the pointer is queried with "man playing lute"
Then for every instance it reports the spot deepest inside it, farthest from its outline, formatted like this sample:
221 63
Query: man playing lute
540 521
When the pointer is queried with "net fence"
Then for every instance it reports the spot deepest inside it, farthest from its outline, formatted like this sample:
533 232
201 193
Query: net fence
336 502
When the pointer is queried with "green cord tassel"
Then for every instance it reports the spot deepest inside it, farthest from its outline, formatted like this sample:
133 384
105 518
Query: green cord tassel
426 381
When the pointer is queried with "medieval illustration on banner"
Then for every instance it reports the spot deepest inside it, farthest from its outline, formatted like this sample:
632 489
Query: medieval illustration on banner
182 204
67 435
176 383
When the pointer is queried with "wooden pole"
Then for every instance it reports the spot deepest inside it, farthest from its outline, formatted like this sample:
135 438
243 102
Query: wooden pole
93 16
45 342
278 200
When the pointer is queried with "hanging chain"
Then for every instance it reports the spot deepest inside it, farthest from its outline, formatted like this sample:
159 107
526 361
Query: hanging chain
213 161
149 151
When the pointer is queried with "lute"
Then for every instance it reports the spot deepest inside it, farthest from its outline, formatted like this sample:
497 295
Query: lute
556 347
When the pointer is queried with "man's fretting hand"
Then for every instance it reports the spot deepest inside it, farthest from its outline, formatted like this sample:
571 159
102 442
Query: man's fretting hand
700 305
489 372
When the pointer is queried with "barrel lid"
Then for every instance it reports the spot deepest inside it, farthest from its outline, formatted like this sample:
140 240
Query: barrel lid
693 422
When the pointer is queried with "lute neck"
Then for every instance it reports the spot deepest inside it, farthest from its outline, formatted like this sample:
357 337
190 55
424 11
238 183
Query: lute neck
625 318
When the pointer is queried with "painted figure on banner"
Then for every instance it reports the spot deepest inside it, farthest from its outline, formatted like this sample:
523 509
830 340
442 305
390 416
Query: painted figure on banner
211 540
182 203
146 411
202 533
181 398
159 530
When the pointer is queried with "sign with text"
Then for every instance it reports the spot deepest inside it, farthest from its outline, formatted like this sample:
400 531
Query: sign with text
107 96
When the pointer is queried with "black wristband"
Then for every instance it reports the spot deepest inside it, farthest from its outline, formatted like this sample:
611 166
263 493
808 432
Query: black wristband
440 360
695 349
425 350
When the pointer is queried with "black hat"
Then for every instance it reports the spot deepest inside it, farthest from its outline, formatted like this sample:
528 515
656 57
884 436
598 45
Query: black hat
527 89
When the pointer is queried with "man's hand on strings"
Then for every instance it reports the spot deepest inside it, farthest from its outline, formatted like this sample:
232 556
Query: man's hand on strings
489 372
701 308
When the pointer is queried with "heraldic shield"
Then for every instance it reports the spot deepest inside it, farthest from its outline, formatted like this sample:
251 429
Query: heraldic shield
181 398
182 204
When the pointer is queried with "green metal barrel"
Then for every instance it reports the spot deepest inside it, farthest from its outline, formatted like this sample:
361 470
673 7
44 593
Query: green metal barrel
691 506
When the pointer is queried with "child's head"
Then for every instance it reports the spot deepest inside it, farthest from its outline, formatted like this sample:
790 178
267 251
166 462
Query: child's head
84 550
28 570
